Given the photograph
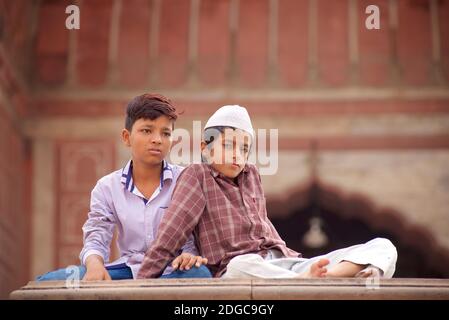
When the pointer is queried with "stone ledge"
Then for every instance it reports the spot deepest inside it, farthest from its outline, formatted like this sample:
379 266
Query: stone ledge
239 289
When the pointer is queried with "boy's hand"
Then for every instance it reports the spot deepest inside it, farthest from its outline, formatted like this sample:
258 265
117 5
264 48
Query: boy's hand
95 269
186 260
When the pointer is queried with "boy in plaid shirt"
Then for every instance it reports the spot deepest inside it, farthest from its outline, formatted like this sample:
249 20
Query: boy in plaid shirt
222 202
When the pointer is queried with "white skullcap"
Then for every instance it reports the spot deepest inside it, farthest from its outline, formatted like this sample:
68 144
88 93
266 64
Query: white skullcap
231 116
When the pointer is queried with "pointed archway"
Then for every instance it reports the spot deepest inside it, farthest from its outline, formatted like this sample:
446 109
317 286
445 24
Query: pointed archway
340 220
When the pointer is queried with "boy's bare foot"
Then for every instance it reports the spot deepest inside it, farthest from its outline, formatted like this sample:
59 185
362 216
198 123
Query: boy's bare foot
345 269
341 270
317 270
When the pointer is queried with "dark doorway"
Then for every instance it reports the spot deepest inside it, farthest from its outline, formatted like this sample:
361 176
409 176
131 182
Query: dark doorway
343 227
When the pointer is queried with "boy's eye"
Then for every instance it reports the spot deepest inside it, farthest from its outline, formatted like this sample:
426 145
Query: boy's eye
167 134
146 131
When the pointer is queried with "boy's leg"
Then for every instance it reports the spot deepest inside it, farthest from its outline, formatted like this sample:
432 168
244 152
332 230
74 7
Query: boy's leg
254 266
194 272
347 262
116 273
62 274
120 272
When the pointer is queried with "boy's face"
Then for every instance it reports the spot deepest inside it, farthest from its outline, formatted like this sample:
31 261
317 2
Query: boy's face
229 152
150 140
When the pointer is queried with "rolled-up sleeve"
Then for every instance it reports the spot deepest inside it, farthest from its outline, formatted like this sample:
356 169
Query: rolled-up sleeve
179 221
99 227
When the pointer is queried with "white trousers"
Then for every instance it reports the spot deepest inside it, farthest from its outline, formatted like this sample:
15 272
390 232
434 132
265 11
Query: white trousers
379 253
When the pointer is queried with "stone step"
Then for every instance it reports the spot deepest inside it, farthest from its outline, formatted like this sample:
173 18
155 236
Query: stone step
239 289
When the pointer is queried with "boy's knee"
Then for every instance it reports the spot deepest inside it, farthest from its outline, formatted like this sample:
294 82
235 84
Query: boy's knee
49 276
385 243
198 272
242 261
202 272
238 265
70 272
388 246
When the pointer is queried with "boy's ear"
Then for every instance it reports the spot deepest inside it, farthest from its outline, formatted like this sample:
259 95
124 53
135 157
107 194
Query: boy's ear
204 152
125 137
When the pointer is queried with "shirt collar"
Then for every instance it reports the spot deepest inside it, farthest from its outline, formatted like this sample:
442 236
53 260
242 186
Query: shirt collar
167 172
216 173
127 175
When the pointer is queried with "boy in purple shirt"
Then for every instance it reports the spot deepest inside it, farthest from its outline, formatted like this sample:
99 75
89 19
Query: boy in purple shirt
134 200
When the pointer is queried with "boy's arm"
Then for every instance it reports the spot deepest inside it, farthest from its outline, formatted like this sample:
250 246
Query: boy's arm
99 227
274 232
267 220
179 221
95 269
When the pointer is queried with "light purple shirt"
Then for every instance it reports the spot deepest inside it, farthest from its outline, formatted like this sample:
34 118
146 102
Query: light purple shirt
116 201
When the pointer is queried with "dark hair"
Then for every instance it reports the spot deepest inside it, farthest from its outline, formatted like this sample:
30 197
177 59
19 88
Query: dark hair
149 106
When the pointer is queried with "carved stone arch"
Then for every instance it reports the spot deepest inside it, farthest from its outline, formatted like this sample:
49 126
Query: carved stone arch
353 218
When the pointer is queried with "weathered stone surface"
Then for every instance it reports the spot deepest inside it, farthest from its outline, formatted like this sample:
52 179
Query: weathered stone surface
241 289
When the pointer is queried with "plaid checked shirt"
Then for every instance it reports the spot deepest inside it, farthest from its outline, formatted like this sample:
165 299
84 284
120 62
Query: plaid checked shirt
227 219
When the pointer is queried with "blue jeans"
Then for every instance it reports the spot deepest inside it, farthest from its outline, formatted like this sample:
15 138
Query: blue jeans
122 272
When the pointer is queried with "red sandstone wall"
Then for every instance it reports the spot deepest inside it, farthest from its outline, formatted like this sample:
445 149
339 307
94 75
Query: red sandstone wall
123 49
